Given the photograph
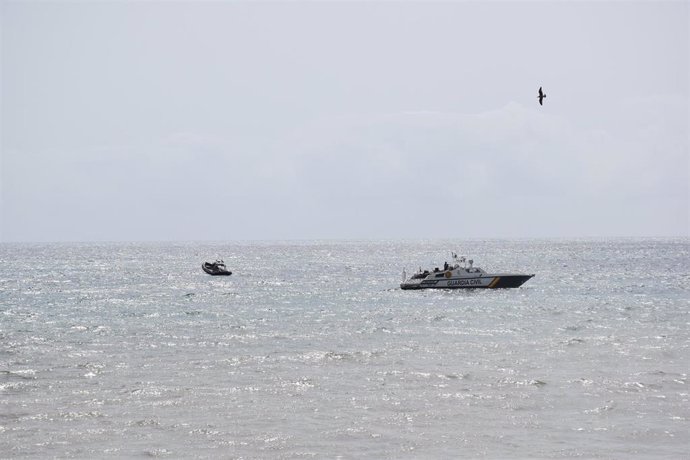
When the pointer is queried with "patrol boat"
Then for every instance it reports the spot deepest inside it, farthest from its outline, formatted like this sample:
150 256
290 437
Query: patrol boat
457 276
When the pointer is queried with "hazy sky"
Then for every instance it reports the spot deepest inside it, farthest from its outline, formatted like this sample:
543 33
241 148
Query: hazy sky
298 120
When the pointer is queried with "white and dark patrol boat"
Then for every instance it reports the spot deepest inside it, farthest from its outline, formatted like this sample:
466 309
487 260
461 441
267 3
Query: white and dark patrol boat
461 274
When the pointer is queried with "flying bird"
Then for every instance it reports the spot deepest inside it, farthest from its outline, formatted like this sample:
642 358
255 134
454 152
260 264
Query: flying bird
541 96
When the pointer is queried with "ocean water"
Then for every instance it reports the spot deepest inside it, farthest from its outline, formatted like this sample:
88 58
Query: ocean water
311 350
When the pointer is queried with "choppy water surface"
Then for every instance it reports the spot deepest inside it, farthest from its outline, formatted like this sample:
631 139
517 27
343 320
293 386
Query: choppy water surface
311 350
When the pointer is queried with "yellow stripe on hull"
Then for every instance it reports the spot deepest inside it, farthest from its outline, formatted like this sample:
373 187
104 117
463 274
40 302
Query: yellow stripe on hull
494 282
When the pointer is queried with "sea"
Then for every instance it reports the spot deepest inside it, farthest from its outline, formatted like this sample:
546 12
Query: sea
311 350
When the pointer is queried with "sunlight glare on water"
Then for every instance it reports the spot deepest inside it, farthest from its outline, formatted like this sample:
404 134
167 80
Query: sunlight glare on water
310 349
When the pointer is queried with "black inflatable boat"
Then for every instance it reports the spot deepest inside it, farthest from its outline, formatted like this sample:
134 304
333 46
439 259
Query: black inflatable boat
216 268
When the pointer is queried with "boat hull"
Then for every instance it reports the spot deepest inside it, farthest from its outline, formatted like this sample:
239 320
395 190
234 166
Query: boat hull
215 271
480 282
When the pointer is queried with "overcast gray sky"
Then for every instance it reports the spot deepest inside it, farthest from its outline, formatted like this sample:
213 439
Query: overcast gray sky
299 120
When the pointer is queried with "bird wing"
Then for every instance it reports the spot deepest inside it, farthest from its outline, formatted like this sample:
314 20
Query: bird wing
540 93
